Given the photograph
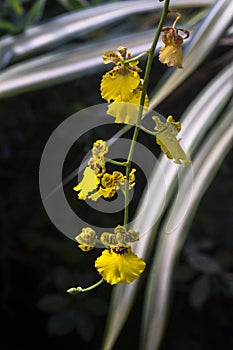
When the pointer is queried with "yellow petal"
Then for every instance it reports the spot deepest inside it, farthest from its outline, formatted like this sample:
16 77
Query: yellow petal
119 84
124 237
126 112
111 57
117 176
85 248
107 180
171 56
97 162
100 148
96 195
120 229
121 267
108 239
128 237
108 192
171 53
86 239
168 142
97 165
132 176
88 184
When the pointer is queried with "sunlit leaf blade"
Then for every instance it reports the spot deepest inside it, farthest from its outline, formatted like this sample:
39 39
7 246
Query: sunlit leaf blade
73 5
64 27
204 40
205 166
201 113
197 120
69 62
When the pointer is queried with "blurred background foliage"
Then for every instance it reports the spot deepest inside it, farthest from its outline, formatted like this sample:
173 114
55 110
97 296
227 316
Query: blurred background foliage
38 263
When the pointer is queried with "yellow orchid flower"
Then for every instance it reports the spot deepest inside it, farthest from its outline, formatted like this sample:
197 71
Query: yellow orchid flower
119 82
95 169
168 142
119 265
171 53
111 183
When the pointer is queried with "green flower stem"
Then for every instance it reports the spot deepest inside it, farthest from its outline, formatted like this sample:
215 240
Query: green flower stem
153 133
133 59
150 58
142 101
76 290
115 162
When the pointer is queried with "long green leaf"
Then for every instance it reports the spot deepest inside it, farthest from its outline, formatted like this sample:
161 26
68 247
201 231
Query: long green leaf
65 65
35 13
205 166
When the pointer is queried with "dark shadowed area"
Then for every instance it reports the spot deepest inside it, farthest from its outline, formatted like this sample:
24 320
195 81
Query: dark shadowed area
38 263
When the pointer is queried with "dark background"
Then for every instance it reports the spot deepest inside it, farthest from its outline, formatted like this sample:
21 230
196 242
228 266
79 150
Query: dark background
38 263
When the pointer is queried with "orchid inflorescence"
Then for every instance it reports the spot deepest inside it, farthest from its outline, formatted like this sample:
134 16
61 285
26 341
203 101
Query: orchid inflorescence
125 91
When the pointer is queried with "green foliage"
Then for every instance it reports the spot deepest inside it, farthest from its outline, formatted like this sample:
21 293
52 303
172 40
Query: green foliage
16 18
